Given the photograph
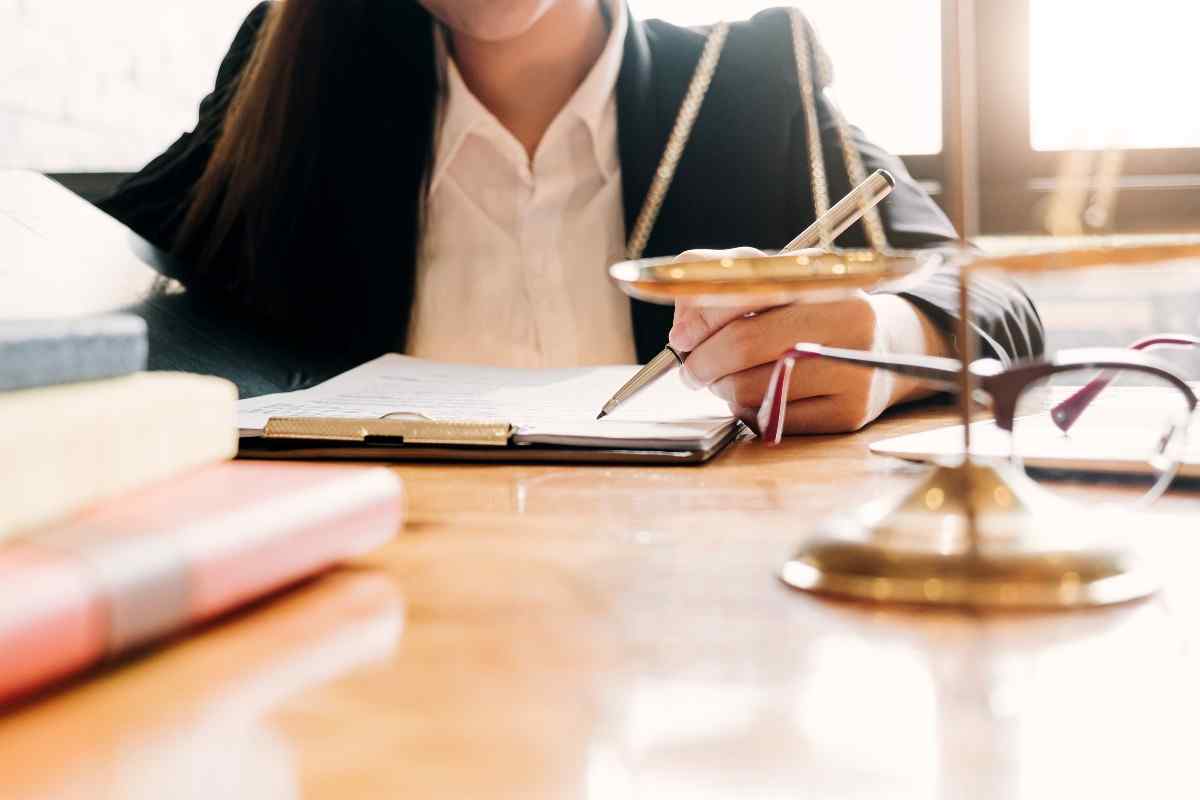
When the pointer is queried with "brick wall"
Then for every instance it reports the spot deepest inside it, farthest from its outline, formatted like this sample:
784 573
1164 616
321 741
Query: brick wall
105 84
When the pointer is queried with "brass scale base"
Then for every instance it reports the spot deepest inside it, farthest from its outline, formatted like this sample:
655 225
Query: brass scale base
1030 550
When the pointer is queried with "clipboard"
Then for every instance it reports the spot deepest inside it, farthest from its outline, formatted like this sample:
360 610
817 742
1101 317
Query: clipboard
416 439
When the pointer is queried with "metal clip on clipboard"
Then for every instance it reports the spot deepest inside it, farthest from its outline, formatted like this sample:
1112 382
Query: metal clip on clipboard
390 430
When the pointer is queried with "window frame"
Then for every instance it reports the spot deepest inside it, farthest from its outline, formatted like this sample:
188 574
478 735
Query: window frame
1159 188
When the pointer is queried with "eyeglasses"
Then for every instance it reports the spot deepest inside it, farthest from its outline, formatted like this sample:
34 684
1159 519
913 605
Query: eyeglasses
1052 417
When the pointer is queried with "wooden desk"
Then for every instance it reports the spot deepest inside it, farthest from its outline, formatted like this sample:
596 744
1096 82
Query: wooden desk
543 632
548 632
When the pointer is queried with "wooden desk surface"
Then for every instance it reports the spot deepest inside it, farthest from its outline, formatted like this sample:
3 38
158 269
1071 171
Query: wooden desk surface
548 632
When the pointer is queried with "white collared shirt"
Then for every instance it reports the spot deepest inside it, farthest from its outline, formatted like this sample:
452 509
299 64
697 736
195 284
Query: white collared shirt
514 256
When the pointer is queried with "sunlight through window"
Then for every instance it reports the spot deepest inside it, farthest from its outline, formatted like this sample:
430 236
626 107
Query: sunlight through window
1114 74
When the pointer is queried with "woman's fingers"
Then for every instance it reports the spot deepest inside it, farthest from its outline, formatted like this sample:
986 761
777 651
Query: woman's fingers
813 378
745 343
813 415
733 349
695 322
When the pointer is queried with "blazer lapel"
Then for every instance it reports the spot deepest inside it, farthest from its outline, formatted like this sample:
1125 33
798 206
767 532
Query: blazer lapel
637 120
640 140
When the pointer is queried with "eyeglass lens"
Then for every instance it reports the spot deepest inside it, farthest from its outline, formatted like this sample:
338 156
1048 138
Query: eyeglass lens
1085 426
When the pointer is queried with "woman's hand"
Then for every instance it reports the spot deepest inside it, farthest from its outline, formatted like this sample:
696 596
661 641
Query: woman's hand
733 351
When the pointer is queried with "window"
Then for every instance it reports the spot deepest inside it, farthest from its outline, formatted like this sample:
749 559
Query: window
1101 76
899 108
1057 76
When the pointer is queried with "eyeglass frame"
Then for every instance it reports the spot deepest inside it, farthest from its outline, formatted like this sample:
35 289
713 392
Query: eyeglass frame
1002 384
1065 412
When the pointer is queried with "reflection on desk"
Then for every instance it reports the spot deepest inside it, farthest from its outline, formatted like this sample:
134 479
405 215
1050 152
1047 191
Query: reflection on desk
190 720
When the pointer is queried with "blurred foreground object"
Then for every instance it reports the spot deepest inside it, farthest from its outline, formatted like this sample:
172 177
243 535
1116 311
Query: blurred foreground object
155 562
63 447
979 532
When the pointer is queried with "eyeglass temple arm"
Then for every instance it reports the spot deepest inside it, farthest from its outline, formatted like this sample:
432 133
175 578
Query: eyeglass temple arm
935 370
1069 410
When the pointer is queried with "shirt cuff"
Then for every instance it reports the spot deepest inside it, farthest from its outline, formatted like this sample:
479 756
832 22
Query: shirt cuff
898 326
898 329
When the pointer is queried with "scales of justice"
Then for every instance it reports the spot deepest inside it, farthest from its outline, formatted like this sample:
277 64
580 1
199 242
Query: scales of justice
973 533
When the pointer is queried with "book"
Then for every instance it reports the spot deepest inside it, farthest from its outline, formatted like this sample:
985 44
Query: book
63 256
153 562
498 411
40 352
63 447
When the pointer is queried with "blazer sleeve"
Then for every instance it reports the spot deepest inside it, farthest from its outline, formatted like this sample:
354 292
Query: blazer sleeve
154 201
1002 315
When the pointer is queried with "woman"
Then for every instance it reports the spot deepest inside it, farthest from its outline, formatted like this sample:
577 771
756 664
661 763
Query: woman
451 179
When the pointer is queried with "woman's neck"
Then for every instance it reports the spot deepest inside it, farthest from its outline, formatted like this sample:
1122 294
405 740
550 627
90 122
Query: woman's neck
527 80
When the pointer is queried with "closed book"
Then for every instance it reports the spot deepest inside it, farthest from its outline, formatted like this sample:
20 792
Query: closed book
153 562
63 447
41 352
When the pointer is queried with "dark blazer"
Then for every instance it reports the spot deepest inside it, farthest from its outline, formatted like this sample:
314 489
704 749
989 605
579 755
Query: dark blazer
743 179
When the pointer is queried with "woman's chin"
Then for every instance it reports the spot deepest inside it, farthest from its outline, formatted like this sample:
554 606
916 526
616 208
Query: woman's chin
489 20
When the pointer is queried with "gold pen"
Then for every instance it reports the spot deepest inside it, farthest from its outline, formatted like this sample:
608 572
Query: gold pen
836 220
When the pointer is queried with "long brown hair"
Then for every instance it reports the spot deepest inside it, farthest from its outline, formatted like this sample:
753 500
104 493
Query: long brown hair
321 163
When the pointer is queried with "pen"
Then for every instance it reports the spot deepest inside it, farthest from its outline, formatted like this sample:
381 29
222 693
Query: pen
836 220
846 211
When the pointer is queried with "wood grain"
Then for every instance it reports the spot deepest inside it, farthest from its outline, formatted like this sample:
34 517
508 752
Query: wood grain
563 632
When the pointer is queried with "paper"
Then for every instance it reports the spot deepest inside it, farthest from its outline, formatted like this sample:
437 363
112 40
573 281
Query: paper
554 406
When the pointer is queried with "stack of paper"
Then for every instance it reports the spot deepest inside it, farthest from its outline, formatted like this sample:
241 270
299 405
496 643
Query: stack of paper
555 406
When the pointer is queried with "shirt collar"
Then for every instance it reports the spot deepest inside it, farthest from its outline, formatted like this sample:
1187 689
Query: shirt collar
462 113
598 88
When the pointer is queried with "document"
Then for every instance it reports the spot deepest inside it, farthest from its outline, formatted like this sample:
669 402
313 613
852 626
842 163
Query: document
546 406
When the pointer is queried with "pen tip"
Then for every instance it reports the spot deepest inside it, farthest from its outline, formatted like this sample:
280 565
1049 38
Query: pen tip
602 415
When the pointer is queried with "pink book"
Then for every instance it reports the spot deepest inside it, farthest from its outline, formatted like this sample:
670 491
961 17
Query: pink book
150 563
